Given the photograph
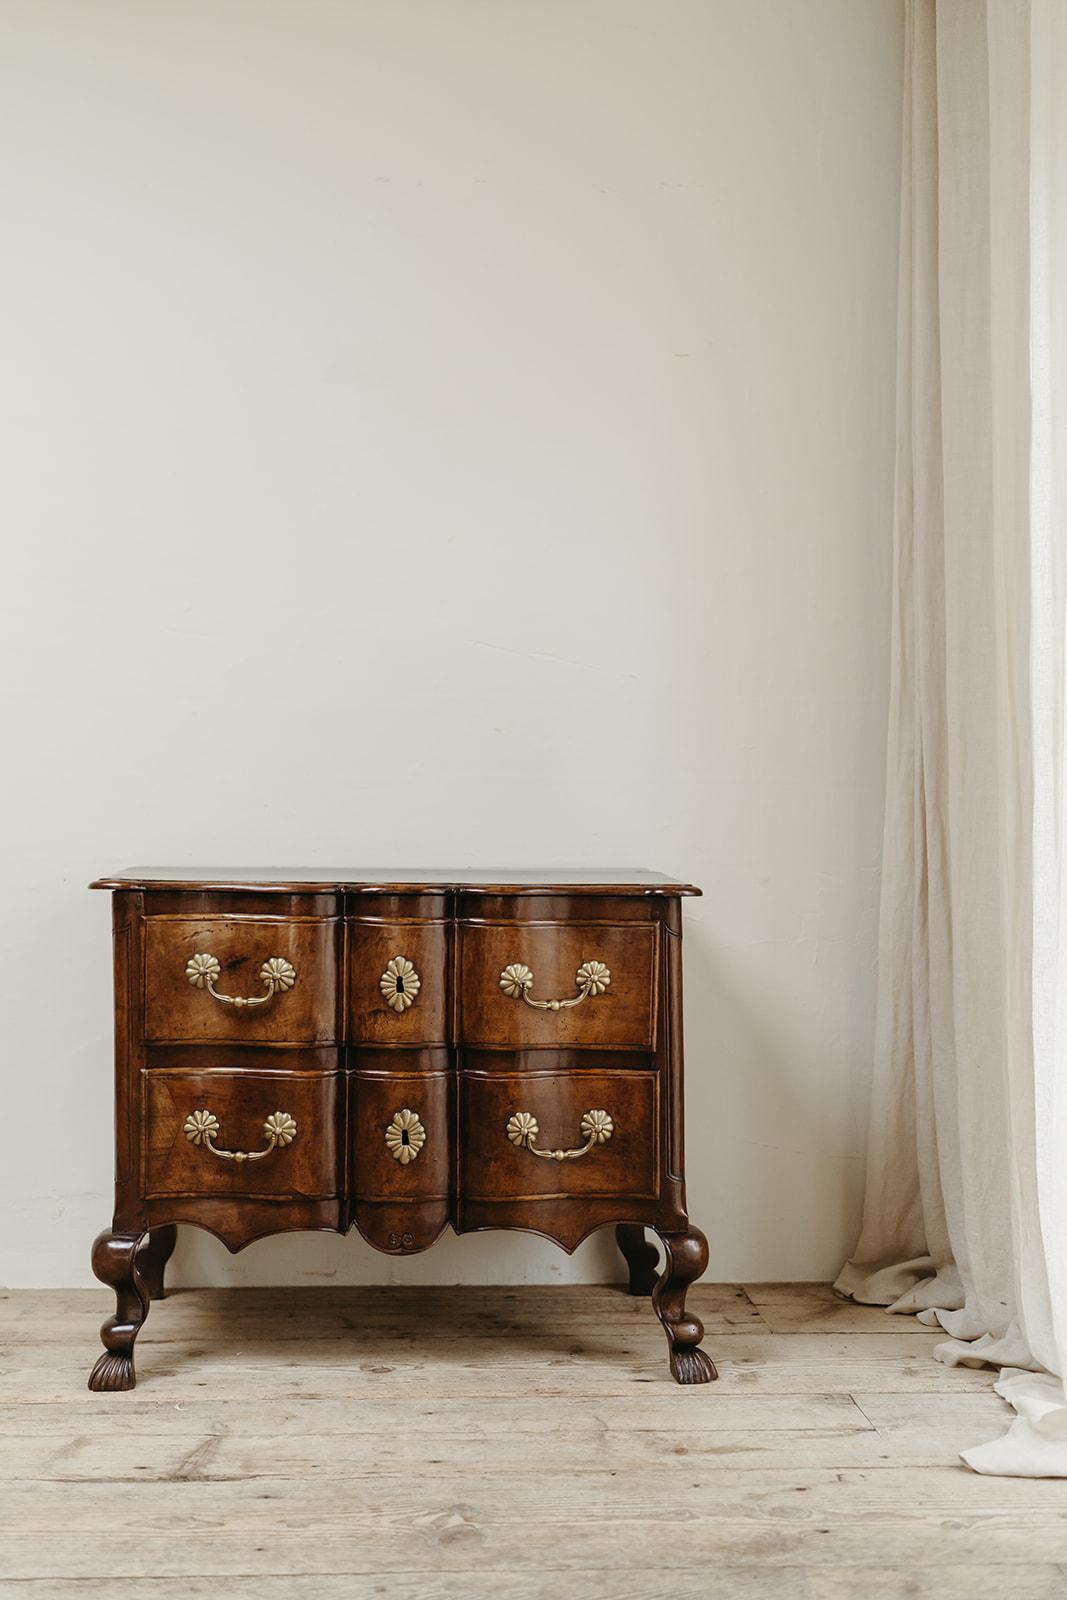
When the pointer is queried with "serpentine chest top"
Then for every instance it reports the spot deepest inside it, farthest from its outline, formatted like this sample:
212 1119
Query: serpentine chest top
400 1051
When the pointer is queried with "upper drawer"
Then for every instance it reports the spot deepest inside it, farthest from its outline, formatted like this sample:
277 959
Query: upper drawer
554 984
214 980
397 982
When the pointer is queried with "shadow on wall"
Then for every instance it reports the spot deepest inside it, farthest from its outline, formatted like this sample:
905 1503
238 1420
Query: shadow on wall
308 1258
775 1108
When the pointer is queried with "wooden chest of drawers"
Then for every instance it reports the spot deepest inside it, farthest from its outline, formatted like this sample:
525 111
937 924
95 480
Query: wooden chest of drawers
402 1053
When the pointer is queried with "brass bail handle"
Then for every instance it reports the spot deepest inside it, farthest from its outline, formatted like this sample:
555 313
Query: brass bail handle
596 1127
200 1128
277 973
592 978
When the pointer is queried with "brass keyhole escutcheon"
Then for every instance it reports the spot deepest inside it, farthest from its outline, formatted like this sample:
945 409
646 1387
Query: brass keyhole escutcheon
400 984
405 1136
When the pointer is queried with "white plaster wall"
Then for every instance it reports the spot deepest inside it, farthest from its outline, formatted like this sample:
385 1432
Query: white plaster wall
453 433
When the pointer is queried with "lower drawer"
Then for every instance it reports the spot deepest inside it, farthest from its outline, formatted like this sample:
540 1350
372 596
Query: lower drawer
400 1157
267 1134
400 1136
544 1135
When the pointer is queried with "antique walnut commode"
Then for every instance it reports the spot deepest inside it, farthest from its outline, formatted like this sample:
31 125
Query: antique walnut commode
401 1052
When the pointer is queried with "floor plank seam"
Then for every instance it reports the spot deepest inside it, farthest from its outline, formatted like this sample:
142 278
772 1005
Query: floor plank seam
298 1430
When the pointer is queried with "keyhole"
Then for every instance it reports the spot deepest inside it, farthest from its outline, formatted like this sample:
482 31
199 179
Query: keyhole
404 1137
400 985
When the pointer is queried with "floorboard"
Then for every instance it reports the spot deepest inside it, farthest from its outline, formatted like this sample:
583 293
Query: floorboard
519 1443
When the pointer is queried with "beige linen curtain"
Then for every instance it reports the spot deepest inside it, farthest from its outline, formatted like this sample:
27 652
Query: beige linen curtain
965 1219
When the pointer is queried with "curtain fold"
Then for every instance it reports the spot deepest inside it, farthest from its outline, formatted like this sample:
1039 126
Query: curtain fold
965 1212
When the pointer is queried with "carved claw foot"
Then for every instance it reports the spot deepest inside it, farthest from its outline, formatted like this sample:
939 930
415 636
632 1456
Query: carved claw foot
112 1372
642 1258
115 1263
691 1365
687 1257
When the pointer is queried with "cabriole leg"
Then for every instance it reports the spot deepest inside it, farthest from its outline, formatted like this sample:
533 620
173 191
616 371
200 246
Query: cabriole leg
640 1255
155 1251
115 1263
687 1256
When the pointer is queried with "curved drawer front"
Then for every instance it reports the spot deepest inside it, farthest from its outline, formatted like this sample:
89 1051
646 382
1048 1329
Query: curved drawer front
215 980
397 982
400 1157
605 1124
400 1136
271 1134
553 985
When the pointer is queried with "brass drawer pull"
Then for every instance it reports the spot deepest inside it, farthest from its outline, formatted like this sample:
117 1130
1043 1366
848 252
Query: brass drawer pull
202 1126
405 1136
596 1128
592 977
277 973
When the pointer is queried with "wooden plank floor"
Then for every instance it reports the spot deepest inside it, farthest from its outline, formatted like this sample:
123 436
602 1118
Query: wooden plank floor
523 1443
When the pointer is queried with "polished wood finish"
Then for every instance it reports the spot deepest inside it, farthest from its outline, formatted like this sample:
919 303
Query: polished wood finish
626 1165
332 1054
175 1011
115 1263
372 945
641 1257
239 1220
401 1207
154 1251
687 1258
623 1016
393 880
307 1168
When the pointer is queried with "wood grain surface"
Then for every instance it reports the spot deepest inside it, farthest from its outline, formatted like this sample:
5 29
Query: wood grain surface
476 1443
176 1011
